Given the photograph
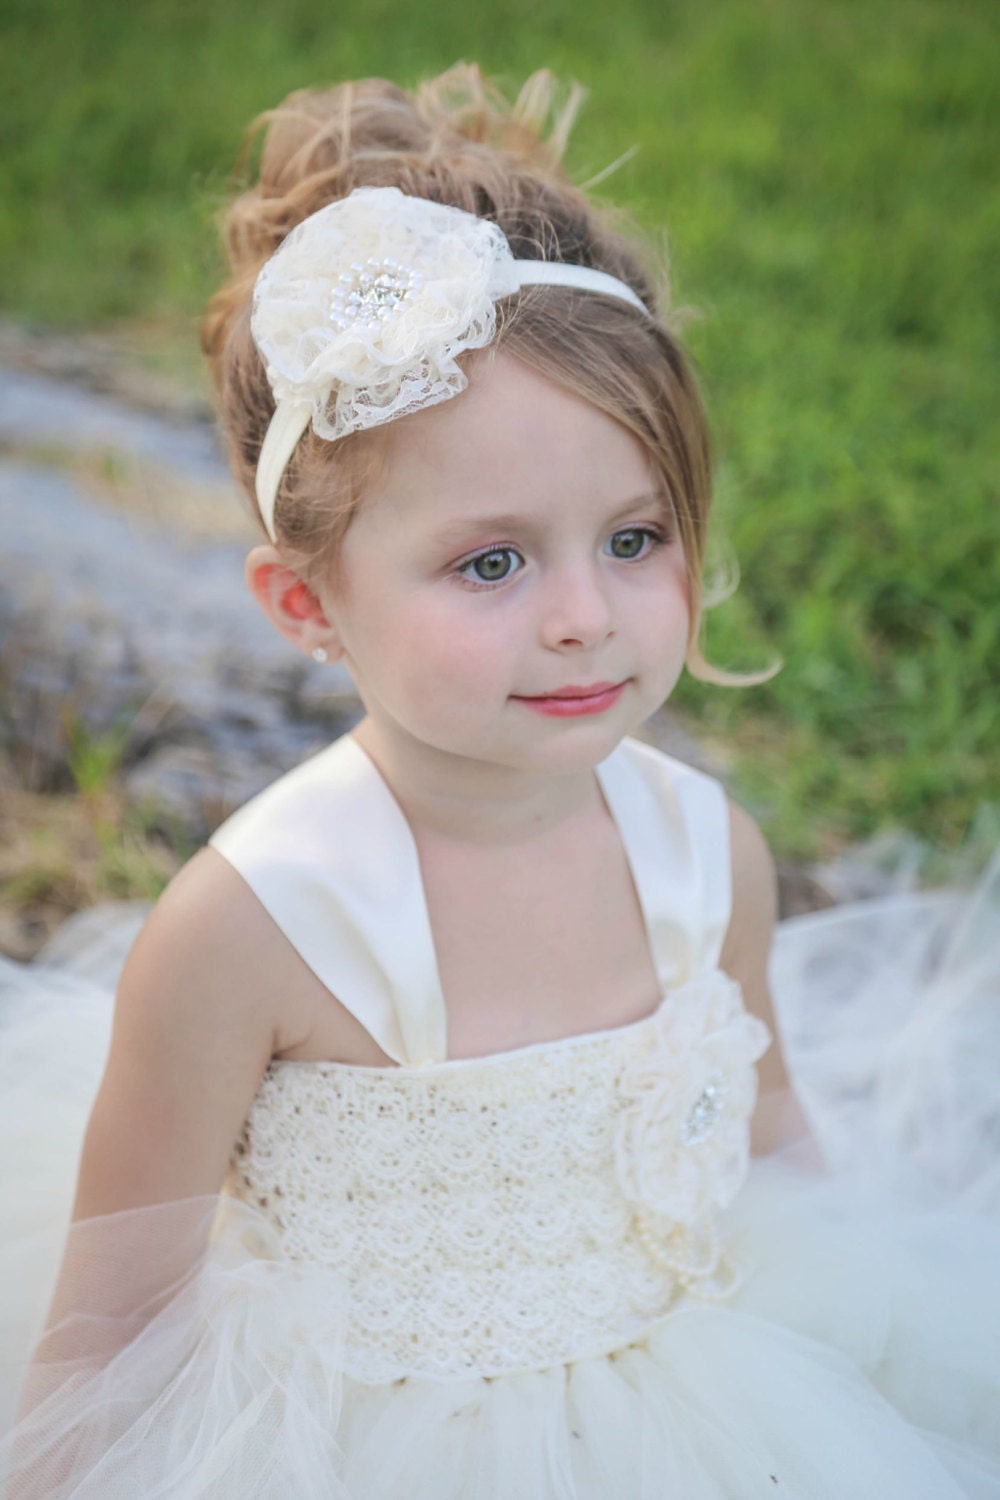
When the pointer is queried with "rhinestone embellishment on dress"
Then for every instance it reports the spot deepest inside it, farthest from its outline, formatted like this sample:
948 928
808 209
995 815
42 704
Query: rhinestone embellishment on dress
372 292
703 1118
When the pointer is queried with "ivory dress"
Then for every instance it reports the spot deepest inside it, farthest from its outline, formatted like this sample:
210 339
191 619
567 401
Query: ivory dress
552 1273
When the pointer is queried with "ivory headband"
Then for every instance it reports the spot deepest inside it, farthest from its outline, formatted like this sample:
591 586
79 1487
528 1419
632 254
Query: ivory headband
361 310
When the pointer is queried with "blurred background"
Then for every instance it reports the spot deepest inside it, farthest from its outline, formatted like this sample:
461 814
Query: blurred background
824 173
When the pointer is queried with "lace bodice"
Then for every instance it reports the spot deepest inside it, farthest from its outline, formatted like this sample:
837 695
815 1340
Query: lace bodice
512 1211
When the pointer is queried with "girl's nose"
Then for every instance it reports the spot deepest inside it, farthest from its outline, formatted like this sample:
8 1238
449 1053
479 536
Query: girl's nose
577 609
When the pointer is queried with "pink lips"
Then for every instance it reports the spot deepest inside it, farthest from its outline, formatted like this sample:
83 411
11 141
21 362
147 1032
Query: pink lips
578 690
576 699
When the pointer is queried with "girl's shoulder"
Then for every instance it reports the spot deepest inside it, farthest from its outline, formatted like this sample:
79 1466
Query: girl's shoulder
209 950
195 1024
333 822
670 813
330 803
727 869
701 802
725 844
328 853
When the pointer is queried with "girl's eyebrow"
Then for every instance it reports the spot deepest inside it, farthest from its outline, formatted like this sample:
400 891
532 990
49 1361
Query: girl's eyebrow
453 531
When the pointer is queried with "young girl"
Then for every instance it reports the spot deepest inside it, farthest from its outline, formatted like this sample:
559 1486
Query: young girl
421 1160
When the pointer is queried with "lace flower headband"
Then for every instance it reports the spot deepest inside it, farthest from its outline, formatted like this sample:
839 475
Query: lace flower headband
361 310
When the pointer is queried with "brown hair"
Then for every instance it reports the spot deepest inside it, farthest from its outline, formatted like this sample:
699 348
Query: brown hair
456 140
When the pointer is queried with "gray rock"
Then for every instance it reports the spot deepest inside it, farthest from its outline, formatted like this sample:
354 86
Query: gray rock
123 626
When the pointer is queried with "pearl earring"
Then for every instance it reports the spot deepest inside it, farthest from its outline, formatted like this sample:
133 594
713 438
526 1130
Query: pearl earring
319 653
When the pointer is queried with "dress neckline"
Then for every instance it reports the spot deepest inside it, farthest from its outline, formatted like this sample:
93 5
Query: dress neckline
612 777
506 1055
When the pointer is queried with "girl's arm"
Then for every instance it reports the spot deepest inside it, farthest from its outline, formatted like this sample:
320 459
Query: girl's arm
778 1121
195 1025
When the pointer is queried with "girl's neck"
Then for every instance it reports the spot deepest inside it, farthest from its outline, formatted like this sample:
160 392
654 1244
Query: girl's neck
453 798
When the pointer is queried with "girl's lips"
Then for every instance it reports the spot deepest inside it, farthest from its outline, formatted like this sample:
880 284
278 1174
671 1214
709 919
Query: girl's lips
572 701
580 690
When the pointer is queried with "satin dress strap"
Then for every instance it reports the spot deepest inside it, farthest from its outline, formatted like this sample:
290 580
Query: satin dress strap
327 851
674 824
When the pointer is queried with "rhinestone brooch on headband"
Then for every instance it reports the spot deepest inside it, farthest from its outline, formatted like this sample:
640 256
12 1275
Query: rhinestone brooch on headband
361 311
372 292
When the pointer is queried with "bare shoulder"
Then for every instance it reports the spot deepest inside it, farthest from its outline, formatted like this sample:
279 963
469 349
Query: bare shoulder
747 946
194 1029
210 944
754 884
229 960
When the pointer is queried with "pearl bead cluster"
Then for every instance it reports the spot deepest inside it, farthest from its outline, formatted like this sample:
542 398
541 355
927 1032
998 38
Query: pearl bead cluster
654 1246
672 1253
372 292
703 1119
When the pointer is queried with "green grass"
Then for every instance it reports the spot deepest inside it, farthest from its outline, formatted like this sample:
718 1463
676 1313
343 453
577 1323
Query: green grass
825 170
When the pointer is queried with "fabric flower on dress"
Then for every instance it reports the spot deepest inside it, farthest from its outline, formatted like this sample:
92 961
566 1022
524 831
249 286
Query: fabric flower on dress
364 306
682 1143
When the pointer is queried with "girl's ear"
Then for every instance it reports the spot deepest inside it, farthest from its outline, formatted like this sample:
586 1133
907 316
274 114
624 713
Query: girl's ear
289 603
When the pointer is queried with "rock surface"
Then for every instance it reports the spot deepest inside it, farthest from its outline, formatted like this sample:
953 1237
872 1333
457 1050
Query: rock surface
114 614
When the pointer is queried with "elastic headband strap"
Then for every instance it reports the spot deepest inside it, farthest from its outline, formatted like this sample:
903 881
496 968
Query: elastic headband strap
291 418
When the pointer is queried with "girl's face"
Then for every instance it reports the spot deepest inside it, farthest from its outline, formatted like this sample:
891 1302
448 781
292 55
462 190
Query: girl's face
516 546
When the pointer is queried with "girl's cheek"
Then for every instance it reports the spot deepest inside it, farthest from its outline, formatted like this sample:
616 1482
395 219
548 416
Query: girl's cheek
462 649
462 654
676 567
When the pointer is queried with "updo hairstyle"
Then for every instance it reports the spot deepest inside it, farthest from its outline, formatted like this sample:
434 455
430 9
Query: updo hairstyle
458 141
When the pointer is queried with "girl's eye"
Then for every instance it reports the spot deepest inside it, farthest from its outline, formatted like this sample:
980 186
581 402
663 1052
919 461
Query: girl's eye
630 543
492 566
498 564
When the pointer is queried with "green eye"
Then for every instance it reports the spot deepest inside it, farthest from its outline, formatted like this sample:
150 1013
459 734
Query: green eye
497 564
631 542
493 566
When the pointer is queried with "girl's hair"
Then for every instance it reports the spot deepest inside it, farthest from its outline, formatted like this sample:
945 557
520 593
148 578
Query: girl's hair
458 141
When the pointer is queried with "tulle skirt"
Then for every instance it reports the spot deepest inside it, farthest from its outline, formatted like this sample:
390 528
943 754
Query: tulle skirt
860 1356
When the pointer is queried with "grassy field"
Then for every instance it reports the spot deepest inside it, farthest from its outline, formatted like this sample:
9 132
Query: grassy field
825 171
